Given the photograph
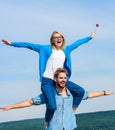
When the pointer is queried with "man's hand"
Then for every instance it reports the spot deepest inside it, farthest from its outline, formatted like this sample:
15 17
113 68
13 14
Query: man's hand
5 108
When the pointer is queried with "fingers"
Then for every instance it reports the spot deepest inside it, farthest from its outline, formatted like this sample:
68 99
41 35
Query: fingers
1 108
6 41
93 34
4 108
109 92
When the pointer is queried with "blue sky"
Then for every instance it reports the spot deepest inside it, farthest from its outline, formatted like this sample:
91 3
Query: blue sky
93 64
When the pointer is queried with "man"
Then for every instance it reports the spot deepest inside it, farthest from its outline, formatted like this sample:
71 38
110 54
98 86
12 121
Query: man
64 118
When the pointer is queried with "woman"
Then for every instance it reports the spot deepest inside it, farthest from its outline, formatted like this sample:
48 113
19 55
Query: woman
51 57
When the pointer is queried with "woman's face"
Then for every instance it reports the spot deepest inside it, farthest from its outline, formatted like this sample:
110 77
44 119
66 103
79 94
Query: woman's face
57 40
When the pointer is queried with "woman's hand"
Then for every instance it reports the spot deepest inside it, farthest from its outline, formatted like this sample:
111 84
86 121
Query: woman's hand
6 42
93 34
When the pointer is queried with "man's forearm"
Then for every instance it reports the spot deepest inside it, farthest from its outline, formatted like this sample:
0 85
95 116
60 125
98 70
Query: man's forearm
98 94
26 103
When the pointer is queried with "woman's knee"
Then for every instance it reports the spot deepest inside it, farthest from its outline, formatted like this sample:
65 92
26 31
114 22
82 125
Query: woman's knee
82 91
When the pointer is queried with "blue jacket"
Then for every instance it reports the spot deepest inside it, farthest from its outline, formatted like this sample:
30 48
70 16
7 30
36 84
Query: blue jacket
45 52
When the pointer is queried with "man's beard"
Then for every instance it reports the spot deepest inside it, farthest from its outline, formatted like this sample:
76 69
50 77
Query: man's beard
61 84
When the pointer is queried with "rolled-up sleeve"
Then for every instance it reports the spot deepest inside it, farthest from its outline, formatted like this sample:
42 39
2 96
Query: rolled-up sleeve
40 99
86 95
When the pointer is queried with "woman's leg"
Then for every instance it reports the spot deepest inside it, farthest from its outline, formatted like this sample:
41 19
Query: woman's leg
48 90
77 92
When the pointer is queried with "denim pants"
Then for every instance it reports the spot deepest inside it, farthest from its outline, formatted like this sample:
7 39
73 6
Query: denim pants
76 91
48 89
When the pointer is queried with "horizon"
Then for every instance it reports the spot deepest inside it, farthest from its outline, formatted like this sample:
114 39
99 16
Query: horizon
43 117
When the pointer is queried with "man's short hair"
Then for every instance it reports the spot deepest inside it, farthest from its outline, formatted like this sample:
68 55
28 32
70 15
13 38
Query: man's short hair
60 70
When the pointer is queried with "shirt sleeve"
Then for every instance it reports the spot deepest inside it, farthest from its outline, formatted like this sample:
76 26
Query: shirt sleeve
40 99
79 42
86 95
32 46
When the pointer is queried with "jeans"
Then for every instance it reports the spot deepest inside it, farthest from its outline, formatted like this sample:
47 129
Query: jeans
48 89
77 92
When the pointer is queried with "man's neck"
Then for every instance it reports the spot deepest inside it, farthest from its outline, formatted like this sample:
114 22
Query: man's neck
62 91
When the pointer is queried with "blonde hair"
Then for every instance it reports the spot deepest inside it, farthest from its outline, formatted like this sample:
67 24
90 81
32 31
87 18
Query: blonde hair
60 70
51 38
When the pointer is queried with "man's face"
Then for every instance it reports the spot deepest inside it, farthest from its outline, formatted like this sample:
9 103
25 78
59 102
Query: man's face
61 80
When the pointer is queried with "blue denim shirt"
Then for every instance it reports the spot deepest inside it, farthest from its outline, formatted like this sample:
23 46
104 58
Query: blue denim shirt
64 116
